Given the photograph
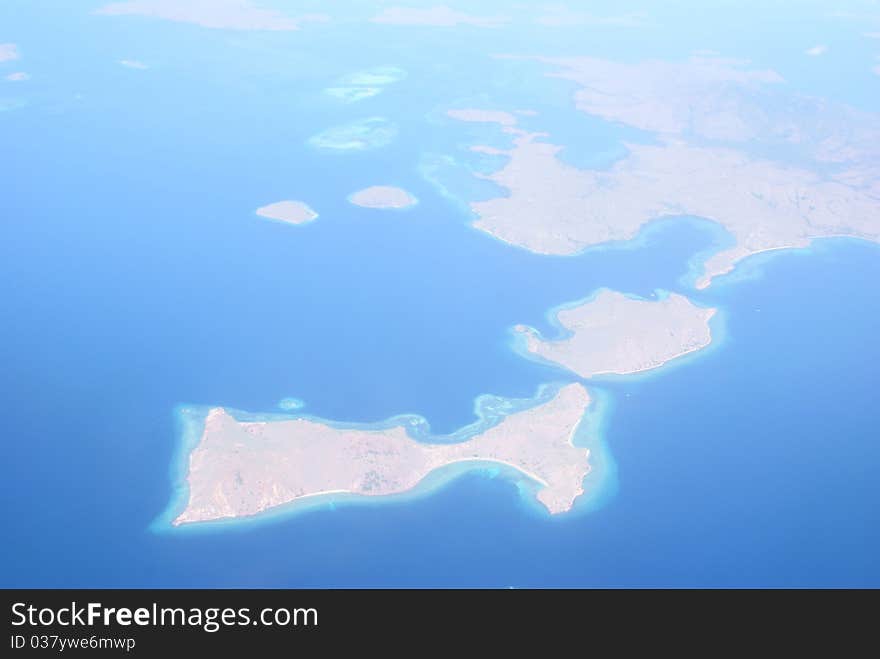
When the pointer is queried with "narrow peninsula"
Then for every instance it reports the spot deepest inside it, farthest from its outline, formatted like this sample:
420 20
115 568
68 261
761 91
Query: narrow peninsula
731 144
616 334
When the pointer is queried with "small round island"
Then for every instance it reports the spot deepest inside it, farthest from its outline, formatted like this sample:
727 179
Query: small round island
383 197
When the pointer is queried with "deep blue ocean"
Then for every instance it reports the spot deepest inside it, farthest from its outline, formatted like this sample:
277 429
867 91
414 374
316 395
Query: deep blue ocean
134 277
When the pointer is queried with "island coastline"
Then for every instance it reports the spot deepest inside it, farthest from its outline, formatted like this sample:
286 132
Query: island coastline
288 211
588 435
524 339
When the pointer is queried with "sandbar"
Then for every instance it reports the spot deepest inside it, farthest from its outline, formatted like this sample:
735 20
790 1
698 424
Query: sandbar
556 209
731 143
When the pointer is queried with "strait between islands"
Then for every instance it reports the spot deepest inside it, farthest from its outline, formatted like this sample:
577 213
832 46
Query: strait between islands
704 115
243 468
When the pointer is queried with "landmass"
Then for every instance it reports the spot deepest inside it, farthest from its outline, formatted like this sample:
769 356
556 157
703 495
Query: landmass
713 97
612 333
775 170
554 208
383 196
294 212
217 14
242 468
707 100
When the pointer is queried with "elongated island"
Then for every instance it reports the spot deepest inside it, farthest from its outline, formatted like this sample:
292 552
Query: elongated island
241 468
290 211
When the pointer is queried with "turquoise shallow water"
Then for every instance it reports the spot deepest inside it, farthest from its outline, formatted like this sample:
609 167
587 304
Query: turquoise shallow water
136 278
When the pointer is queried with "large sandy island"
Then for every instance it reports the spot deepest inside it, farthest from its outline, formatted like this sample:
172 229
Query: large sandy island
243 468
715 122
616 334
383 196
294 212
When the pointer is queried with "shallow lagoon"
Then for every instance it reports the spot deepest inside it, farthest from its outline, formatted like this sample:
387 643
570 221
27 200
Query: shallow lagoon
359 135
